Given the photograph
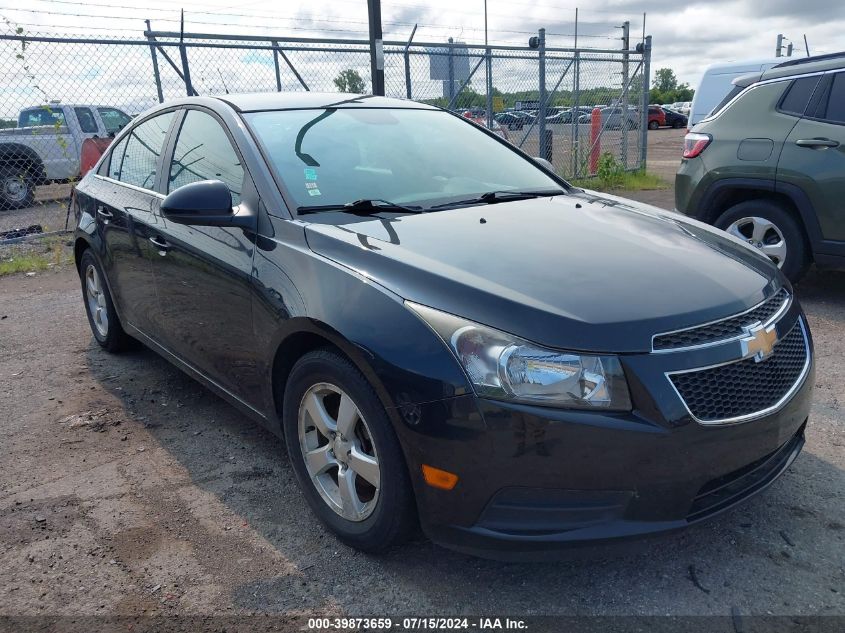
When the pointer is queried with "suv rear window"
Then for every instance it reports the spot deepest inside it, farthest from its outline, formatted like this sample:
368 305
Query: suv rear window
797 96
836 100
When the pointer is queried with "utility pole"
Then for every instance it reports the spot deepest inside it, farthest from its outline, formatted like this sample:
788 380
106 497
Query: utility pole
789 50
779 48
806 46
376 47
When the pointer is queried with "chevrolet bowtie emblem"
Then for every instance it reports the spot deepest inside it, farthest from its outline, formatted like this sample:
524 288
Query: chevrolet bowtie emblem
759 343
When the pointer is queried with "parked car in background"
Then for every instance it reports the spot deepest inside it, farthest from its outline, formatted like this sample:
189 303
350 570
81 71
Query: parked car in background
480 118
768 166
47 146
514 119
716 84
444 331
656 117
614 119
674 119
566 116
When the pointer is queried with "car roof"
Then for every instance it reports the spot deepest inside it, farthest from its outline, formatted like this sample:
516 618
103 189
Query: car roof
805 65
255 102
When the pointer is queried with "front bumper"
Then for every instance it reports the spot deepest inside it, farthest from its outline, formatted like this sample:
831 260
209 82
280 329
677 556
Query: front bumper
534 480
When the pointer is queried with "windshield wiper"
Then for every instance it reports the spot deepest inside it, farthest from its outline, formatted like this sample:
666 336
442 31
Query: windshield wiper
365 206
492 197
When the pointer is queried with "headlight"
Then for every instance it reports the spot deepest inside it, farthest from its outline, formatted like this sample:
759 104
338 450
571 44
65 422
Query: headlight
506 367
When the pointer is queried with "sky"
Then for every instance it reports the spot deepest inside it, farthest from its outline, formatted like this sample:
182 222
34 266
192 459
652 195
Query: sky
687 36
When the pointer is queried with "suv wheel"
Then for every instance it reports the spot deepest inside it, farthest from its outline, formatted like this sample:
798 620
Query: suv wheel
345 453
771 228
653 125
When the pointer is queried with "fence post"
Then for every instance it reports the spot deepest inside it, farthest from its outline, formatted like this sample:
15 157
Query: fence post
576 115
156 74
451 72
489 54
626 28
408 64
541 112
645 99
276 65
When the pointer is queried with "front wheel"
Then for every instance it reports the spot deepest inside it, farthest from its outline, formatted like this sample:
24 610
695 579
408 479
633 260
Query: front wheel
768 226
345 453
653 125
17 188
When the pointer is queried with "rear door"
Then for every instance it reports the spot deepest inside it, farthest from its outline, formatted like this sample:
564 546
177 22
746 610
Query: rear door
126 205
203 273
813 156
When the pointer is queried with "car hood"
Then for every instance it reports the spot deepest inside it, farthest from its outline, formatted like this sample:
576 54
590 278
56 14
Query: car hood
583 272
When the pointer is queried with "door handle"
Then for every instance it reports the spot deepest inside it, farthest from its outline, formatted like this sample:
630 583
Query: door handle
816 143
104 213
160 244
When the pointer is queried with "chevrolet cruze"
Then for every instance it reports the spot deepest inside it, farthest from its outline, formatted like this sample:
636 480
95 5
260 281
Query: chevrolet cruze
444 332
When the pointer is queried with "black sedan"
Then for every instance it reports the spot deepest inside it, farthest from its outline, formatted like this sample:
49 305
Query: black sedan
675 119
445 333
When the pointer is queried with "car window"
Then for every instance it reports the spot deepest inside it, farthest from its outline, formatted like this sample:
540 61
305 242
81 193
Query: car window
87 122
797 96
114 120
203 152
836 100
143 149
41 116
115 159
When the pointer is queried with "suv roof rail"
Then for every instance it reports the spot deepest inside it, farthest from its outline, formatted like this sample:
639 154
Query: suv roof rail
808 60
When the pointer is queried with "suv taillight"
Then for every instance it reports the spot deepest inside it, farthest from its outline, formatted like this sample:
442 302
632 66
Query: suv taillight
695 143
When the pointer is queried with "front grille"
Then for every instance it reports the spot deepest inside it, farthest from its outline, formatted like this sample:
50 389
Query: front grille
726 490
745 387
721 330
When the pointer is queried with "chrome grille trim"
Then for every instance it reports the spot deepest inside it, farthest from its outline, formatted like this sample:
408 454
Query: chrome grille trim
774 318
757 414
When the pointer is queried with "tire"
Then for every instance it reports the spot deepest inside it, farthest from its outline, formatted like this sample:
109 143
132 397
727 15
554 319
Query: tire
17 188
102 316
742 220
653 125
388 514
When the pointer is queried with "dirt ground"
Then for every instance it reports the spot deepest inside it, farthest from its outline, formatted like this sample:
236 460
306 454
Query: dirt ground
126 488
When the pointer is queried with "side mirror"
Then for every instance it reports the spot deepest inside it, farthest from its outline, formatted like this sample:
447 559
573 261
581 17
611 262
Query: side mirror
203 203
543 162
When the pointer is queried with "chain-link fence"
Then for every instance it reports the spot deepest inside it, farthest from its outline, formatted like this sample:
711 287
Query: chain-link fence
65 97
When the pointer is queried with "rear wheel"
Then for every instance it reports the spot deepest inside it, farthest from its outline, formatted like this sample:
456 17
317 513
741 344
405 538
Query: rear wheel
102 316
768 226
345 453
17 188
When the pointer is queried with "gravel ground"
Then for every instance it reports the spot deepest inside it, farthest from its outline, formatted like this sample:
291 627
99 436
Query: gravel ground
127 488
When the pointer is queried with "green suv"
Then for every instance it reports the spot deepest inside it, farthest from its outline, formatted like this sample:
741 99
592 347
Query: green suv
768 164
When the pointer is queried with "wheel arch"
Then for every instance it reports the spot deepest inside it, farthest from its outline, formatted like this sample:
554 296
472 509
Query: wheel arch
723 194
15 153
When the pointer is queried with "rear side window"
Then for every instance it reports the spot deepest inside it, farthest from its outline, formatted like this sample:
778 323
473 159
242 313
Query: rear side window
728 97
203 152
87 122
797 96
143 150
836 100
115 159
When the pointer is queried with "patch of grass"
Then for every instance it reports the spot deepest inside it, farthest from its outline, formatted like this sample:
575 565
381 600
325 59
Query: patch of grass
611 177
35 255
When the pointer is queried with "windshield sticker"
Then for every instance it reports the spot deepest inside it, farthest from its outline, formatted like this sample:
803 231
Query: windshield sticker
310 185
314 192
310 173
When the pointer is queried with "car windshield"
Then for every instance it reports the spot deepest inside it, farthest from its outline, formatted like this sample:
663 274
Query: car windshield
407 156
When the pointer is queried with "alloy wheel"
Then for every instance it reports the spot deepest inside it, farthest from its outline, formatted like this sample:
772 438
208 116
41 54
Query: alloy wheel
762 234
96 298
339 452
